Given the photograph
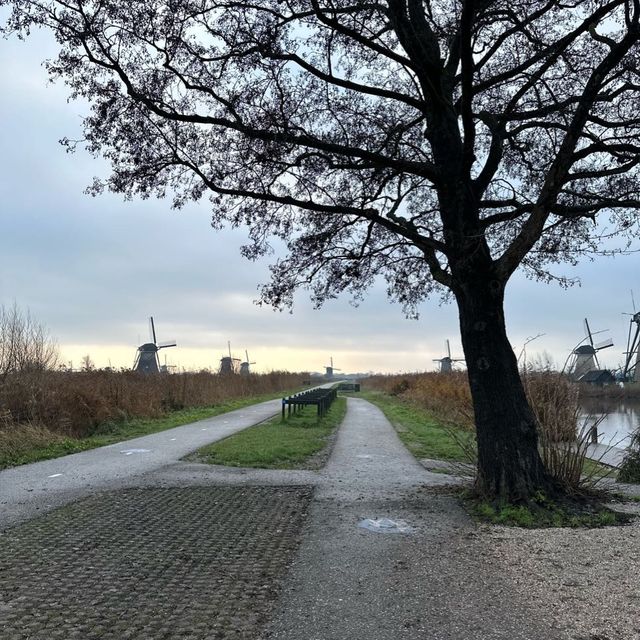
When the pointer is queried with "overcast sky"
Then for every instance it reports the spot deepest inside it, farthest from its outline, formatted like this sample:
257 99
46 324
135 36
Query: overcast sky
93 269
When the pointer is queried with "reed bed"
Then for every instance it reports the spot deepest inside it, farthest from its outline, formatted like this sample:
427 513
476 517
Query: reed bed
45 406
553 399
629 391
446 395
75 403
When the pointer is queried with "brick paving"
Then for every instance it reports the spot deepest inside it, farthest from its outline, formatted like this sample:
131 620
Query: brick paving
199 563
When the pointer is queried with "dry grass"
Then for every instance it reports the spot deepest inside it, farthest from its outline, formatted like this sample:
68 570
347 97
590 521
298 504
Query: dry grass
17 440
75 403
446 395
553 398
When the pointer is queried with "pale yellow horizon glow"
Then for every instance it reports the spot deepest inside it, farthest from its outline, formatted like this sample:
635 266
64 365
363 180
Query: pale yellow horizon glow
266 358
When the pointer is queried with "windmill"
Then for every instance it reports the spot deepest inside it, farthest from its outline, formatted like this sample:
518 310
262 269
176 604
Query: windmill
167 368
244 366
631 371
329 369
147 356
446 363
585 357
229 364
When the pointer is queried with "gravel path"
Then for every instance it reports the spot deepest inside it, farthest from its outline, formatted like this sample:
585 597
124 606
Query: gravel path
434 582
448 578
587 579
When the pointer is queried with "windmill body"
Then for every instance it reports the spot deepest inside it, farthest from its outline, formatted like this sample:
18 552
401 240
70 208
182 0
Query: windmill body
245 369
228 364
585 361
585 356
329 369
147 357
446 363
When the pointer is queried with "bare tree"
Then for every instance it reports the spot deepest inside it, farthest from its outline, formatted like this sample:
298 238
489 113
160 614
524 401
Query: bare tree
440 144
25 344
87 363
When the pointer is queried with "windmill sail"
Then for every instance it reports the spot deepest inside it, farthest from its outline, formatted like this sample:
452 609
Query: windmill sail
631 372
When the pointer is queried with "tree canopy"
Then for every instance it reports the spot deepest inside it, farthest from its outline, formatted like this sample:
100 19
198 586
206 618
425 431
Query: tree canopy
440 144
347 127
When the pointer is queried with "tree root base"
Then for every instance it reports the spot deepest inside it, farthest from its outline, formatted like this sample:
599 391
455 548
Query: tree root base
541 511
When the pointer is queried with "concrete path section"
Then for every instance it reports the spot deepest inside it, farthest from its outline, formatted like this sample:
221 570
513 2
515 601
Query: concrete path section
33 489
612 456
434 580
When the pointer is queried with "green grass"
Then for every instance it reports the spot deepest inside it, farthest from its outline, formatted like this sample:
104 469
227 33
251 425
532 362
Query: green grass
113 432
275 444
420 431
594 469
544 513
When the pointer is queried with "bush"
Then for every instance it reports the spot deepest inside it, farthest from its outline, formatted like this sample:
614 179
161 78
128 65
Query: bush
553 399
629 471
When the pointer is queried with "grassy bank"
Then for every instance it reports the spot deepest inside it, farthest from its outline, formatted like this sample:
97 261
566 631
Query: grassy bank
26 443
296 443
434 415
421 431
540 514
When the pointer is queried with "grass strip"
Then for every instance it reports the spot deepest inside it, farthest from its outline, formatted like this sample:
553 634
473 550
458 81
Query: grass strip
542 513
26 444
294 443
421 432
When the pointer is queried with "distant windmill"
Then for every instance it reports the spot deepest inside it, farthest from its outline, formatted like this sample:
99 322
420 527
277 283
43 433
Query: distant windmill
330 369
631 371
446 363
584 355
229 364
166 368
147 356
244 366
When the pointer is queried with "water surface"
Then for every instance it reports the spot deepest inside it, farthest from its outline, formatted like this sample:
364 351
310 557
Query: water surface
616 419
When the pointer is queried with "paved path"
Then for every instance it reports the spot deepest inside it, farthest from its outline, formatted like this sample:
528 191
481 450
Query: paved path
612 456
32 489
442 580
435 582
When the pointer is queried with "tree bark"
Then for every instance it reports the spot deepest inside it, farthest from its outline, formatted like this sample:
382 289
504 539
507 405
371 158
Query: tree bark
509 464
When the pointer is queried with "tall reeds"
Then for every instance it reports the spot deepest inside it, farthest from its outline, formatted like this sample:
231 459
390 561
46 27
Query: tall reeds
446 395
75 403
553 398
37 398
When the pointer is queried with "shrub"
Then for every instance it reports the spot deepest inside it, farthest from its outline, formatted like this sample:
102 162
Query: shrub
629 471
554 400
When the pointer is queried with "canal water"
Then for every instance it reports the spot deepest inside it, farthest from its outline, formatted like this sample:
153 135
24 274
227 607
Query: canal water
617 419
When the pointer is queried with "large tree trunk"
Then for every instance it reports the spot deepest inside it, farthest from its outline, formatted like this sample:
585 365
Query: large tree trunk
509 464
